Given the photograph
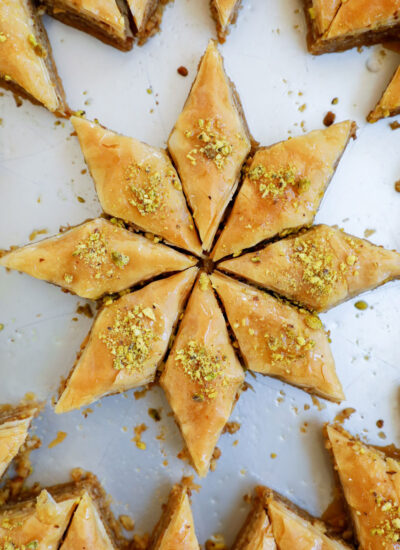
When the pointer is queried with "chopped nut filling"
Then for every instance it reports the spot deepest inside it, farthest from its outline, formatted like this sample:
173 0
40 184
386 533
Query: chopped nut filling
274 183
130 338
204 367
211 143
289 346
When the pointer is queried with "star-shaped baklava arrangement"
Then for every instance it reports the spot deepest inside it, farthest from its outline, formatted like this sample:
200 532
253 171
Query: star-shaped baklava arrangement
184 213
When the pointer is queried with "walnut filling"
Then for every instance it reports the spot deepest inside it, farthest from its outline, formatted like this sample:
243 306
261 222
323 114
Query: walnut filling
211 143
273 183
130 338
203 366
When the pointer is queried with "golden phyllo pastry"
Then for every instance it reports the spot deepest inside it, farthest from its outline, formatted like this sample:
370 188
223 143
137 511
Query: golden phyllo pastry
225 13
175 530
209 144
26 63
147 16
318 268
278 339
137 183
87 530
256 533
104 19
371 486
127 342
14 425
389 104
336 25
202 375
96 258
36 523
283 188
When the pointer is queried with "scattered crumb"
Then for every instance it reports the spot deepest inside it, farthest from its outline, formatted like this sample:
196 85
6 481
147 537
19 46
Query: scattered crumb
397 186
137 439
37 232
361 305
182 71
216 542
344 415
216 456
369 232
395 125
307 407
382 435
184 455
80 199
317 403
83 171
379 423
59 439
84 310
335 101
87 411
188 481
231 427
1 326
329 118
77 474
273 455
127 522
155 414
302 108
18 100
304 427
149 90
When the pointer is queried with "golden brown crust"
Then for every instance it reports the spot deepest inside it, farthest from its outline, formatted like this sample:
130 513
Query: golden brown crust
283 188
256 533
202 375
96 373
113 28
389 104
27 66
96 258
319 268
224 13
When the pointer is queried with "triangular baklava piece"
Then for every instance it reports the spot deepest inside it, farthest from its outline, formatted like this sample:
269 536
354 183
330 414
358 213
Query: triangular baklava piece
37 523
283 188
295 529
107 20
127 342
318 268
96 258
225 13
147 16
371 485
137 183
336 25
209 143
256 533
14 425
389 104
175 530
278 339
26 63
88 530
202 375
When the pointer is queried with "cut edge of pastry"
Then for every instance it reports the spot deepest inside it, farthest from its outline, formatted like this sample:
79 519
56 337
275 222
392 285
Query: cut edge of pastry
42 38
103 32
223 28
152 19
382 110
179 498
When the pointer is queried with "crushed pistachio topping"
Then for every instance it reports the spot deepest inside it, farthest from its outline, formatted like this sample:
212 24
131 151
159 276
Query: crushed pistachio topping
93 251
3 37
203 366
204 282
273 183
317 261
289 346
389 528
313 322
146 186
119 259
130 338
211 143
9 545
38 48
68 278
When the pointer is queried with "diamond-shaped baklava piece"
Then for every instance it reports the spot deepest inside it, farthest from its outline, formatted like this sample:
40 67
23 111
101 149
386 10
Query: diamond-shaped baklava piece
137 183
209 143
87 531
318 268
225 13
107 20
175 530
202 376
278 339
37 523
295 529
14 425
96 258
256 533
127 342
389 104
336 25
26 63
283 188
371 484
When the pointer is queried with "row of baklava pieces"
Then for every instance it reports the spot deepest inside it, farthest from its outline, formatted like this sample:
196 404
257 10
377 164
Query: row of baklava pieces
369 478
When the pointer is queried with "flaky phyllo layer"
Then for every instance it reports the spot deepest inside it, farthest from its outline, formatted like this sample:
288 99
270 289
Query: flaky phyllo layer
206 261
